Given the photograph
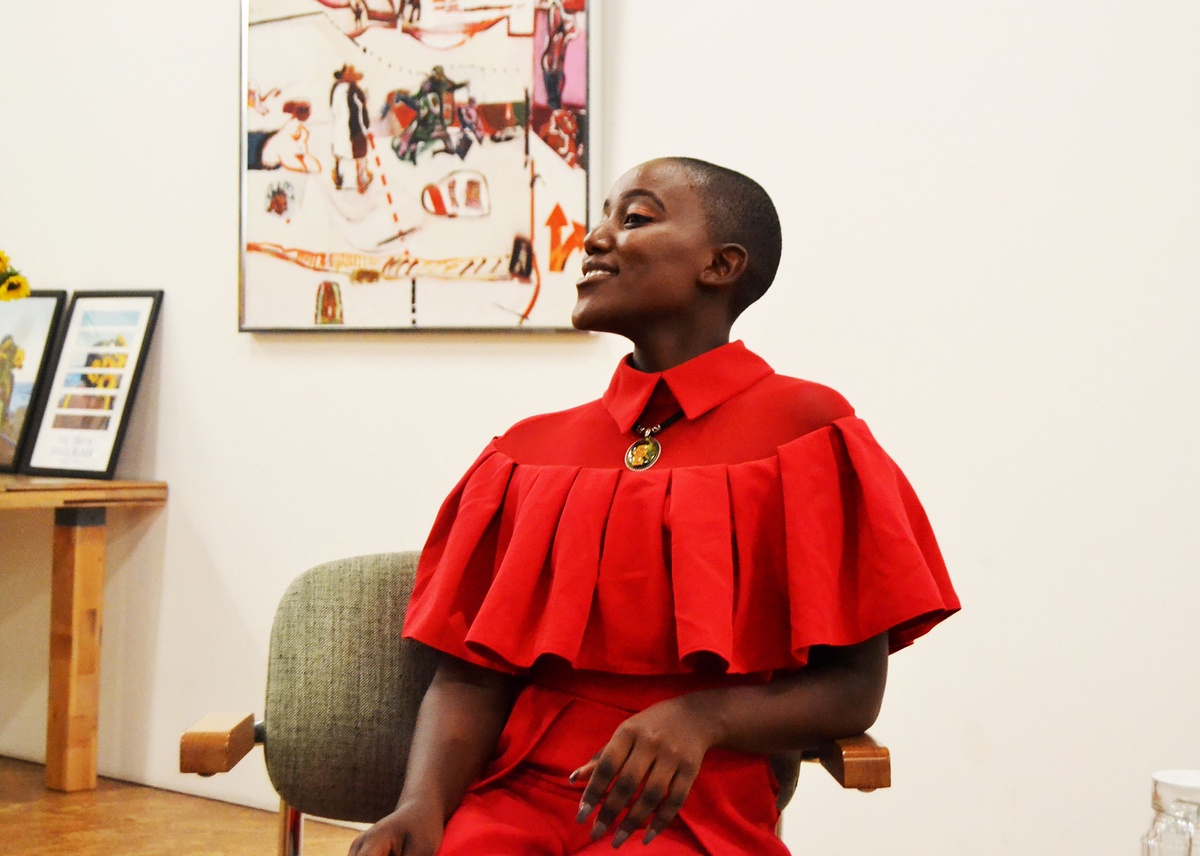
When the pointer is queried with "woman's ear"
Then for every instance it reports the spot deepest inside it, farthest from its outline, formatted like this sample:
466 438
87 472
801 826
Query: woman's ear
726 266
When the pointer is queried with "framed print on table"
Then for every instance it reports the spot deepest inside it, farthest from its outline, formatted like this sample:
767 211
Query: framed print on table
84 412
27 331
414 166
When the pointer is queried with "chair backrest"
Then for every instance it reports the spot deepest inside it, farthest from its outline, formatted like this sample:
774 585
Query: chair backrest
343 689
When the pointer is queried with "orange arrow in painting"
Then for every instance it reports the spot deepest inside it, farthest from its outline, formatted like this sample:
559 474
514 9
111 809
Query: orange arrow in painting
561 250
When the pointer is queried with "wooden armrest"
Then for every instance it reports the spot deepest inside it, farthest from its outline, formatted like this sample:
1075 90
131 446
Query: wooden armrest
216 743
856 762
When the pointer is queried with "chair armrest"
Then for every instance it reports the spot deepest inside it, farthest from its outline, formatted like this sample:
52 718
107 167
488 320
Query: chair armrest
216 743
856 762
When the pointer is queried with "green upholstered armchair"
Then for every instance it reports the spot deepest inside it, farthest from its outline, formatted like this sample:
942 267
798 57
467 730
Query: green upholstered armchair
343 690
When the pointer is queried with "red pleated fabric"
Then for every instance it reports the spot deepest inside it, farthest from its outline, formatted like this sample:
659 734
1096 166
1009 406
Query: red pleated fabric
740 567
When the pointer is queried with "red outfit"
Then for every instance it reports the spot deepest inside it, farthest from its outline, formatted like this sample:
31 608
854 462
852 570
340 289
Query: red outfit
772 522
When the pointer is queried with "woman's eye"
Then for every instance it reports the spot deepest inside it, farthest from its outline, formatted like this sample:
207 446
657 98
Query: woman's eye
632 219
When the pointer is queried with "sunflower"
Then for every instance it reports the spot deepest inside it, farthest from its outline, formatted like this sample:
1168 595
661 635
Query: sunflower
4 260
14 287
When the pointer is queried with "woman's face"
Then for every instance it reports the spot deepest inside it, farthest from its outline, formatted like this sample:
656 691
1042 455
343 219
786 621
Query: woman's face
645 256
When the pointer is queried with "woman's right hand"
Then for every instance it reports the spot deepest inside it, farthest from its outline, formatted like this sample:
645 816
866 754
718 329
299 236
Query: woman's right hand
458 725
407 831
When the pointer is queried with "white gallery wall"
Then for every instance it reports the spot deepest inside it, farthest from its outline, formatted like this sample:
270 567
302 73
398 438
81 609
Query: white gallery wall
992 219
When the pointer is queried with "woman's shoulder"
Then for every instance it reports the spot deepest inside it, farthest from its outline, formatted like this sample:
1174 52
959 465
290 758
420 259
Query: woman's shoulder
527 438
799 405
555 419
810 395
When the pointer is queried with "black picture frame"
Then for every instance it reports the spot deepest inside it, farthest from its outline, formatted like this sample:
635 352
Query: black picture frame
28 338
101 352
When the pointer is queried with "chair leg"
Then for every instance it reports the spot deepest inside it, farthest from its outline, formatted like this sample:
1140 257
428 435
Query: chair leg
291 830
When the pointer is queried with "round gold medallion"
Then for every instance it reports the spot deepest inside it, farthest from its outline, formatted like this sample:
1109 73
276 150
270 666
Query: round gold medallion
642 454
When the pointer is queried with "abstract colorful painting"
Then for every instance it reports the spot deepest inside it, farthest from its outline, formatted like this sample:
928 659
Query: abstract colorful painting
413 164
27 332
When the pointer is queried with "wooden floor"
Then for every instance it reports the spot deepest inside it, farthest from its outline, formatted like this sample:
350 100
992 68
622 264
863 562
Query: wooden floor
120 819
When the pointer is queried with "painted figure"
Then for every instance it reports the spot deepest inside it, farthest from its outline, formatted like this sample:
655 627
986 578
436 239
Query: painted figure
562 31
279 198
11 359
439 90
350 124
562 133
469 120
404 144
256 98
435 110
329 303
288 147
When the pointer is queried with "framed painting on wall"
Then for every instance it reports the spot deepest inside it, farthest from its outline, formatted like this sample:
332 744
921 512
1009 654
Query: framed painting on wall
27 330
101 353
413 164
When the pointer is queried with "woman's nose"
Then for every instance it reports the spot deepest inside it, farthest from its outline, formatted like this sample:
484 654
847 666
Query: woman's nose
598 239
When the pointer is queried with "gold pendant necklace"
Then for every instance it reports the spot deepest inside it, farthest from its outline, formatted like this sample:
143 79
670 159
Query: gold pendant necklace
644 452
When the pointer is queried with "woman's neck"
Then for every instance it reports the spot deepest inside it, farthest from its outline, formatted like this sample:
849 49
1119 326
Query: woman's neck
664 353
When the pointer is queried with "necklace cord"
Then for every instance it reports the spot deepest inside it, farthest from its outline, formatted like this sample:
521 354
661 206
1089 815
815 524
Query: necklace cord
661 426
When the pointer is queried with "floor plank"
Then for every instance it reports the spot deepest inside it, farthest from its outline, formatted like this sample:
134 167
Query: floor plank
120 819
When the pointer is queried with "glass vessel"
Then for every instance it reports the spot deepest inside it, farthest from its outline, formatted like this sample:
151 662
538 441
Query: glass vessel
1175 798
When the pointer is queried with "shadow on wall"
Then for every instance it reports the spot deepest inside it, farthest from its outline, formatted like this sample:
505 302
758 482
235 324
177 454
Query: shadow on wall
25 556
133 594
139 449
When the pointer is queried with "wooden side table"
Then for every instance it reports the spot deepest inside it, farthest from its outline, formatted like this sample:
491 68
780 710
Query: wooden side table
76 609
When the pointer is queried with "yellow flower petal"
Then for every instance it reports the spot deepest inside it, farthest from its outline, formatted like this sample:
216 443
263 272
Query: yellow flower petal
14 288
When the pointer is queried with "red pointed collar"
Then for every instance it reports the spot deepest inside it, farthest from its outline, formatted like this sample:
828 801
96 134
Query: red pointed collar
698 385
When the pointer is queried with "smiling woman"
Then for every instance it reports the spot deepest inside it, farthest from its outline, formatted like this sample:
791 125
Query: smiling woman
630 627
667 266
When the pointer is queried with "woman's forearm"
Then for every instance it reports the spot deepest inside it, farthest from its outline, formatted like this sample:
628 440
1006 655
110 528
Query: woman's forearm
458 725
652 759
838 694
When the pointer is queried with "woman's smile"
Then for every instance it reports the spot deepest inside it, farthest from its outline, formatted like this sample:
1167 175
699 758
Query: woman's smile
594 271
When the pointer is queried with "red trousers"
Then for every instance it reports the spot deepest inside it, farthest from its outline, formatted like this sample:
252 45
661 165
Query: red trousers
523 804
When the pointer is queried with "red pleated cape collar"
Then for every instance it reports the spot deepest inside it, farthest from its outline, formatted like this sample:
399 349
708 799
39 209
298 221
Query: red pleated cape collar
699 385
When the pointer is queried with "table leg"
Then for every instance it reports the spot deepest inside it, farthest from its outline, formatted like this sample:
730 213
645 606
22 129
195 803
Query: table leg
76 600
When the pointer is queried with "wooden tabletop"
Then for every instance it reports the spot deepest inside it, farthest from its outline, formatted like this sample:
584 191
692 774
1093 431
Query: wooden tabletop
41 492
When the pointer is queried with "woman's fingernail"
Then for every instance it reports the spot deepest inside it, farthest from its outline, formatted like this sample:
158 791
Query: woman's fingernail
584 810
599 829
571 778
650 836
620 837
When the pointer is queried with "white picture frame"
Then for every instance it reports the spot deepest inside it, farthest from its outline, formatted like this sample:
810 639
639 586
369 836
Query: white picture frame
457 196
